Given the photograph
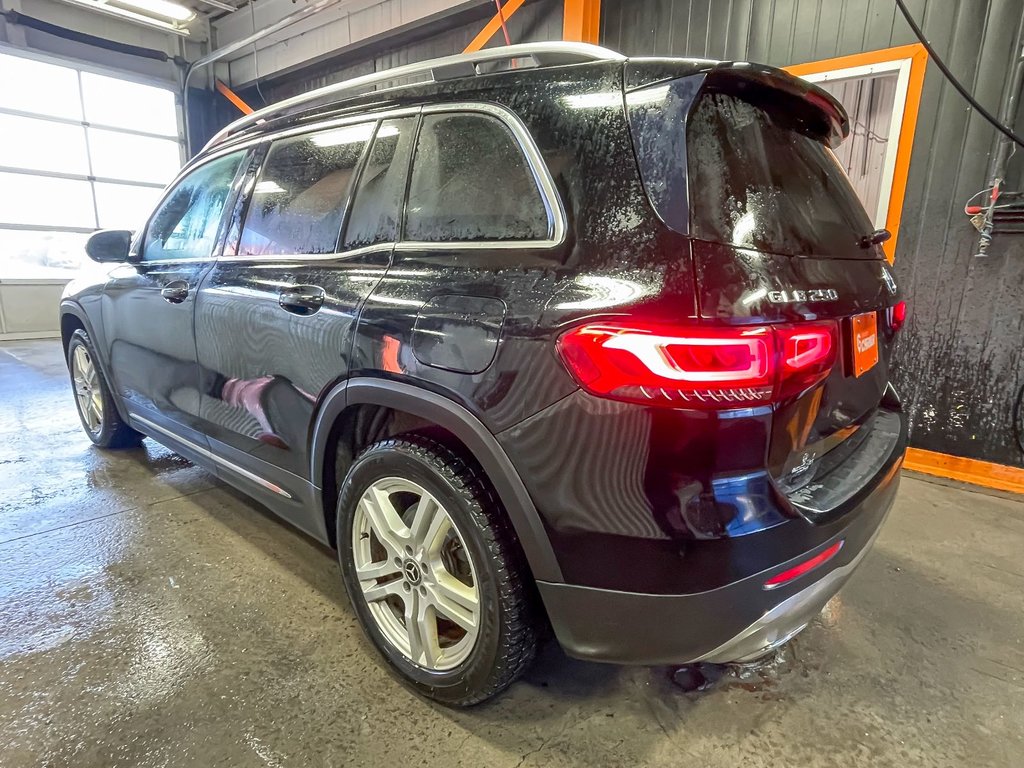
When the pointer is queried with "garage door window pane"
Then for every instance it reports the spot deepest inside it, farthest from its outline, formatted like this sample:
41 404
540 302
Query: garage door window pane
40 254
35 86
126 156
121 103
124 206
42 145
378 200
45 201
298 202
187 222
470 181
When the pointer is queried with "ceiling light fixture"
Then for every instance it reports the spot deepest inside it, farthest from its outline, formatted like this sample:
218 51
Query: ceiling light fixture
174 11
101 6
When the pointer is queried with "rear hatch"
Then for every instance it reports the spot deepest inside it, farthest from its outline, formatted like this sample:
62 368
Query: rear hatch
738 157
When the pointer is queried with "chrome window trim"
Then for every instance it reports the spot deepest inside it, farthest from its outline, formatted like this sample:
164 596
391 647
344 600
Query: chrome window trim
468 245
326 125
220 460
162 262
292 257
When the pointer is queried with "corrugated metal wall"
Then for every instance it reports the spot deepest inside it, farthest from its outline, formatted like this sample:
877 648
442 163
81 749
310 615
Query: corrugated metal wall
960 360
533 21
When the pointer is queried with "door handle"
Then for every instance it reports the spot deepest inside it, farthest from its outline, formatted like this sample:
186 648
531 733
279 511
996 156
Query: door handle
175 291
301 299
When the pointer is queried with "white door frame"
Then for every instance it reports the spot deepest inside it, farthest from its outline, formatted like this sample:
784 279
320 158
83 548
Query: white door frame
902 68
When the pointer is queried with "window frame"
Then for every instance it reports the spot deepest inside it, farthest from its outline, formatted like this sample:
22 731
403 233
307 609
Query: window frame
357 181
136 254
534 161
261 154
538 168
910 62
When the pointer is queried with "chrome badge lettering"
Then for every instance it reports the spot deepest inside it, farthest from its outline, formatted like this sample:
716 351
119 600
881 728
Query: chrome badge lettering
797 296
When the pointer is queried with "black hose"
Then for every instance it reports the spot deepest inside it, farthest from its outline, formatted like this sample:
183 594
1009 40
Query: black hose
952 78
14 17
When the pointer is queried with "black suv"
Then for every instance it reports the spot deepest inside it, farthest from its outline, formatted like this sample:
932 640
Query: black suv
547 337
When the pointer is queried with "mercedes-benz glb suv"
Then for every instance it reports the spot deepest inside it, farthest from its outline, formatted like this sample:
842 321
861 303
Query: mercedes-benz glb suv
594 343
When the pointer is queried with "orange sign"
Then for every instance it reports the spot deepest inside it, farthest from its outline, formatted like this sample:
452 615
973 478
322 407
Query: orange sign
865 342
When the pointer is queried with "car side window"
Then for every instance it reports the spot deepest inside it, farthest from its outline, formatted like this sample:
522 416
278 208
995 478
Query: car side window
377 207
186 224
298 202
471 182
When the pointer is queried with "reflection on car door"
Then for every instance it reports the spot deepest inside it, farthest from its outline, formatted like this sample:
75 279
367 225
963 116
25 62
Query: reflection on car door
275 315
148 303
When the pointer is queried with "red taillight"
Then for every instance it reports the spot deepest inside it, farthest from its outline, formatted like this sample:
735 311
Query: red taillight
807 565
808 354
698 367
897 315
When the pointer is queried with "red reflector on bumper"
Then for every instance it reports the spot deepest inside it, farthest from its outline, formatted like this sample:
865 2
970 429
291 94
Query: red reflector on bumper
807 565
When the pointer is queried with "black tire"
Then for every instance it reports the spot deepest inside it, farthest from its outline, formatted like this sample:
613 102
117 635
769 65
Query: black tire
507 639
112 432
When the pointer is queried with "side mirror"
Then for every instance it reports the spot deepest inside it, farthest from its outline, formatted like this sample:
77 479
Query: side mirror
109 245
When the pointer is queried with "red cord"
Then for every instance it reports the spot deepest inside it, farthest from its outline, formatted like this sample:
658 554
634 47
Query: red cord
501 18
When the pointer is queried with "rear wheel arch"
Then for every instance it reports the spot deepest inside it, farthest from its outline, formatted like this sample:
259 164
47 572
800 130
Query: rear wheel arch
359 411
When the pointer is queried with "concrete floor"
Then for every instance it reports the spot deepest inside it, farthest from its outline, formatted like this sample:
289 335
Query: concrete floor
150 616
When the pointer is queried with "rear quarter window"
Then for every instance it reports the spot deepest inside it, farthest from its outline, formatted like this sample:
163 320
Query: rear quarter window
471 182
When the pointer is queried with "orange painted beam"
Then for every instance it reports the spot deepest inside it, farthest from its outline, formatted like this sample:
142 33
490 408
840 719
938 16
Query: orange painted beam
918 63
983 473
234 98
493 25
581 21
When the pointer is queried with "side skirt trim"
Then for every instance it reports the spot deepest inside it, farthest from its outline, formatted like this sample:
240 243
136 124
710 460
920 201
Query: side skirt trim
218 460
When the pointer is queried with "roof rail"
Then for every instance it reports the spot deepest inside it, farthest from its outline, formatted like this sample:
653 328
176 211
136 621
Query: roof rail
445 68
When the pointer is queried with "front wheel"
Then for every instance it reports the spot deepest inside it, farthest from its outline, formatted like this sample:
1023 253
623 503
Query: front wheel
434 572
100 419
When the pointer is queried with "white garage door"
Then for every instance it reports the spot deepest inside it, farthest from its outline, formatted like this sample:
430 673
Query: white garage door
82 150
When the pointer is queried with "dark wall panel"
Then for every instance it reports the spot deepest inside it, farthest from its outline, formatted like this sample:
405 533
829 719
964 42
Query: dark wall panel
961 359
532 22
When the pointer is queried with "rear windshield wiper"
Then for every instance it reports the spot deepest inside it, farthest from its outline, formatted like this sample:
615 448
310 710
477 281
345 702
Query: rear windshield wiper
876 237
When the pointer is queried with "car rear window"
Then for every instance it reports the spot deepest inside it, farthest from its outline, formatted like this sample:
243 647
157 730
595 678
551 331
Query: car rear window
743 174
758 183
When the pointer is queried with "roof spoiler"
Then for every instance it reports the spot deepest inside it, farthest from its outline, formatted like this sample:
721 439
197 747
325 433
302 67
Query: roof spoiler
819 113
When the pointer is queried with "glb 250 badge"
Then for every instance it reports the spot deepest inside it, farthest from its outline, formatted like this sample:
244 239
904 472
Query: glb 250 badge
799 296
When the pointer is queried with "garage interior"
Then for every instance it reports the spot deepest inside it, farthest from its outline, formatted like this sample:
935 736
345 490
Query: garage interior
152 615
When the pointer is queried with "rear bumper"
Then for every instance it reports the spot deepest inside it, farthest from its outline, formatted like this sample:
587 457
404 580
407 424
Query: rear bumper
736 622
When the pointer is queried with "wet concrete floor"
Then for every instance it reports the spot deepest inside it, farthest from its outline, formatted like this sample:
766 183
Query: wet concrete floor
150 616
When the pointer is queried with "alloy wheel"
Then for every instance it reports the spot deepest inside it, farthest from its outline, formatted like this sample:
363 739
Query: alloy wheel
416 574
88 394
